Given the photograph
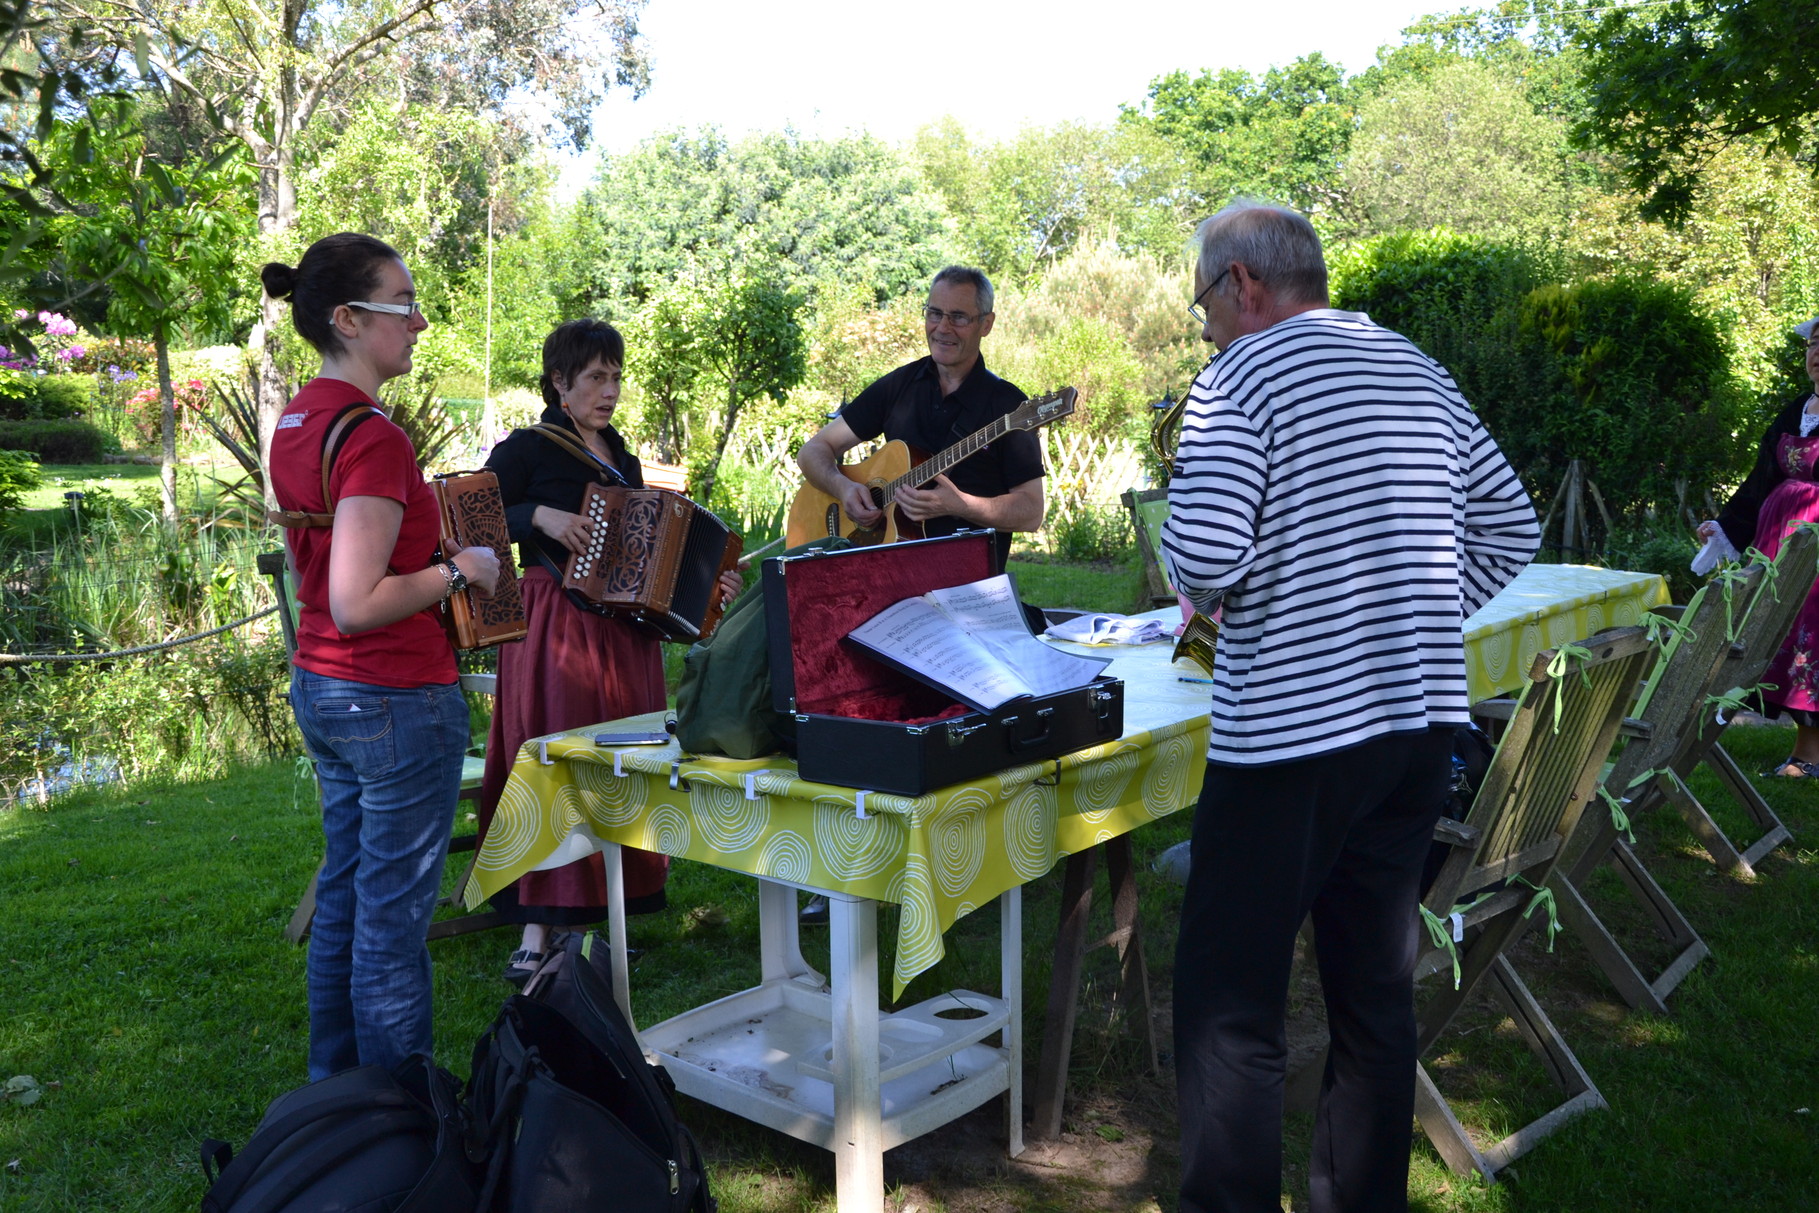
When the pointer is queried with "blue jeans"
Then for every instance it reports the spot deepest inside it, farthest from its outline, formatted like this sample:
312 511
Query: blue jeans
388 762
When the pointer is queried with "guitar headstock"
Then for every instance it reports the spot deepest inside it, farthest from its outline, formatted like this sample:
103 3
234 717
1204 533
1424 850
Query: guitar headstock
1040 410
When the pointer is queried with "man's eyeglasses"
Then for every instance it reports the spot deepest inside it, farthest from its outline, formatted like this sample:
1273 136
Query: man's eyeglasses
959 320
1194 309
413 308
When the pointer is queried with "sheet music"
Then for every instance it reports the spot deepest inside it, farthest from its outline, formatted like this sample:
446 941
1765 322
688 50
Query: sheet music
915 634
990 610
972 639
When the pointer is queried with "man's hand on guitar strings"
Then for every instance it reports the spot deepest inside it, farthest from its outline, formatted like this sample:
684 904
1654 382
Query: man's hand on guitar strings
859 506
934 501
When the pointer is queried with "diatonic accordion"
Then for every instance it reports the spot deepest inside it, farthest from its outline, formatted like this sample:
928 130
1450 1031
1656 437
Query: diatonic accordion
473 516
656 558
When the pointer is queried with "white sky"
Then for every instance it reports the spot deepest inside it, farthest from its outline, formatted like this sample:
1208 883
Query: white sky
830 67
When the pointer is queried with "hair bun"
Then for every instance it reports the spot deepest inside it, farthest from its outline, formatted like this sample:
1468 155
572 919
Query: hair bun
279 279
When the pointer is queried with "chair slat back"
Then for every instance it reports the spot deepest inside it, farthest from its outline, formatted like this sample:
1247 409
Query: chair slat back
1547 766
1695 667
1775 603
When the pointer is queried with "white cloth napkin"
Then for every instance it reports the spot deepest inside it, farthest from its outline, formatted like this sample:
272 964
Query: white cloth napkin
1717 548
1108 629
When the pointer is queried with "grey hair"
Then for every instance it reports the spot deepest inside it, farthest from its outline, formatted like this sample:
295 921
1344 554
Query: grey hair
1277 245
966 275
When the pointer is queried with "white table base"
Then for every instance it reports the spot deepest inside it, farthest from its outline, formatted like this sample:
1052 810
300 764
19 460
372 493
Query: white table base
817 1060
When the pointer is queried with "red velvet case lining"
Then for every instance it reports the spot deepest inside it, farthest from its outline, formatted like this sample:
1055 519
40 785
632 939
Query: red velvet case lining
830 595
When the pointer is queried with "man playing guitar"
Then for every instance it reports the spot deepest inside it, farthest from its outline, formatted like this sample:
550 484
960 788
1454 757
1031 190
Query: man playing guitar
930 404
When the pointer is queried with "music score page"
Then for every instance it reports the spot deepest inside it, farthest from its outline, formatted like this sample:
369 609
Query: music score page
973 642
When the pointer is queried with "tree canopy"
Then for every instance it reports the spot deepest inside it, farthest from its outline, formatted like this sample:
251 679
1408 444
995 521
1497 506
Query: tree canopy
1670 86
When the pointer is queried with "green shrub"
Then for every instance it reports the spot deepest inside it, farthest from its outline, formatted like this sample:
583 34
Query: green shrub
25 396
1640 389
18 473
1089 532
1457 297
55 441
1653 546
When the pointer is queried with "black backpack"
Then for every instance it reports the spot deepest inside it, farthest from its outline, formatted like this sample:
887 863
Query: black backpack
565 1111
366 1140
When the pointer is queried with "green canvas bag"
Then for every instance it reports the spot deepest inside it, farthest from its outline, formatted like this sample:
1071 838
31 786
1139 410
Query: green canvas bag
723 705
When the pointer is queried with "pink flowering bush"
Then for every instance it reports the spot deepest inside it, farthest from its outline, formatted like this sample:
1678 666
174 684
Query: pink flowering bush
146 413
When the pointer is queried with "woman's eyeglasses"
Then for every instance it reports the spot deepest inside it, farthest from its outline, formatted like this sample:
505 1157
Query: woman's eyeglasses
413 308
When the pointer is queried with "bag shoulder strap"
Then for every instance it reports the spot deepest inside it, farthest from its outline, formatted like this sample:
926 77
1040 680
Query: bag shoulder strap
573 446
338 434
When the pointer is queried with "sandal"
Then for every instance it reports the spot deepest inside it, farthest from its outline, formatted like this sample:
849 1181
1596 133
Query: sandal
522 965
1792 768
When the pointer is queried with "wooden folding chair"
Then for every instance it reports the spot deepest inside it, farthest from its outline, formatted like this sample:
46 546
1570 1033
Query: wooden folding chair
274 566
1149 510
1544 776
1677 727
1774 602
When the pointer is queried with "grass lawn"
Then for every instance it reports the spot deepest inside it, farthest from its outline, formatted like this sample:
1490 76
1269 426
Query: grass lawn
150 990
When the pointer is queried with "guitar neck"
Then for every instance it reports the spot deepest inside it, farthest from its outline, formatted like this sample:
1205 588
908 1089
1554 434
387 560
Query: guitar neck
933 466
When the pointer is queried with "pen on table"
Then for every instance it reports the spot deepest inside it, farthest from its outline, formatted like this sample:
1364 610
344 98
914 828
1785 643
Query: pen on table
1185 678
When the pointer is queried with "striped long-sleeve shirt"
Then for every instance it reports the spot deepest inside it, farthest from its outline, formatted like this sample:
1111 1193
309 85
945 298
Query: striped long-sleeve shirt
1342 502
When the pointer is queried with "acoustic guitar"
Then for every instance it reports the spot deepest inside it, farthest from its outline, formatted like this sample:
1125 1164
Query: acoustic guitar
815 515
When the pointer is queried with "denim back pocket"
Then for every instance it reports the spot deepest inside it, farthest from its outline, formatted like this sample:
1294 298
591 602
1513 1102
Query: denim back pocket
359 729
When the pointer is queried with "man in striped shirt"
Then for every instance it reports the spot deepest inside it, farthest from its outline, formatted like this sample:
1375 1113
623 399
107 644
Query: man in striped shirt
1337 498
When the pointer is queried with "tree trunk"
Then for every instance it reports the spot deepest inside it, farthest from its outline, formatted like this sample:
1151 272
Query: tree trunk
712 471
277 215
167 474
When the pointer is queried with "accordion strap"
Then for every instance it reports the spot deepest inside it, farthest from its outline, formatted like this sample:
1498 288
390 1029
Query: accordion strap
338 433
573 446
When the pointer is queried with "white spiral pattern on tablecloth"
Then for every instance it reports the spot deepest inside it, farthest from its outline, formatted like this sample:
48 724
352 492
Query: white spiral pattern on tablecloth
851 848
787 856
956 840
727 820
918 929
666 830
1165 783
514 829
1028 833
613 800
1099 786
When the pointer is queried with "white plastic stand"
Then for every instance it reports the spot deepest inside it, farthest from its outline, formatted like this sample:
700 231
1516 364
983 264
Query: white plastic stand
821 1063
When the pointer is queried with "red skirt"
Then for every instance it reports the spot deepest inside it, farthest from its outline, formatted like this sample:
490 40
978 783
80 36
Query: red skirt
572 669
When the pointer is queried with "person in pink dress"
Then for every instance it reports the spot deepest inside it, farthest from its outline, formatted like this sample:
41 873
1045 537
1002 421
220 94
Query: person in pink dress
1782 492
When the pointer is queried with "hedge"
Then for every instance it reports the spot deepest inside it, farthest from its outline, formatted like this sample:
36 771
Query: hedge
56 441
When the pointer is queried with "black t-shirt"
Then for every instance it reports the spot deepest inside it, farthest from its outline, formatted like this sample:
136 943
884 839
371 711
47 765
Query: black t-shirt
534 471
907 406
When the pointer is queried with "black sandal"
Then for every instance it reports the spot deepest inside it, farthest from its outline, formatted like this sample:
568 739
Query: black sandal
1792 768
522 965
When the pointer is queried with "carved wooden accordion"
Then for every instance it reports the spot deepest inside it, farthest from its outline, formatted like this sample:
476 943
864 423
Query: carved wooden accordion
655 557
473 516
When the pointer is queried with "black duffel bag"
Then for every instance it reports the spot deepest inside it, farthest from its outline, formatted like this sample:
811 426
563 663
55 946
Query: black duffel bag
564 1125
366 1140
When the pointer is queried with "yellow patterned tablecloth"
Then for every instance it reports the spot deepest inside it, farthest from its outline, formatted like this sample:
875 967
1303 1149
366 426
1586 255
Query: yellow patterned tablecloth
939 856
944 854
1548 605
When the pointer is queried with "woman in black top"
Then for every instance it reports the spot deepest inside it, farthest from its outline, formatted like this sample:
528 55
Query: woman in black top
575 667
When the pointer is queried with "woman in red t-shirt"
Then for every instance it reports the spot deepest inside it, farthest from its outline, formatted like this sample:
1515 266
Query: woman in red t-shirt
374 683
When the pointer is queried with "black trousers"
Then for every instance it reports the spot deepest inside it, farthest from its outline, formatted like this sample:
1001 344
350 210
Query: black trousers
1341 836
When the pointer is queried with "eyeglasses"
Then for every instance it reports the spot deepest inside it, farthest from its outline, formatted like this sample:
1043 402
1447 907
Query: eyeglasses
413 308
959 320
1194 309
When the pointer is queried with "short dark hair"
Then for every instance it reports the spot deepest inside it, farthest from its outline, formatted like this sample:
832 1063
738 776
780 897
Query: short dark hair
572 348
966 275
331 272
